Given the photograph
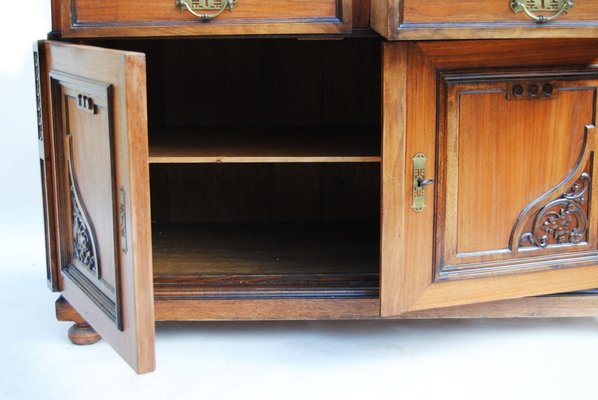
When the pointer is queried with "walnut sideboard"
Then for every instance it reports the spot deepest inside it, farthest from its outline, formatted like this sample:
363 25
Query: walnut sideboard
329 159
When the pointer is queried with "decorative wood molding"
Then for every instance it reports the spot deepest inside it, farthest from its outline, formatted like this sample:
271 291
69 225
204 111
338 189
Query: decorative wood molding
227 287
38 101
559 217
555 229
562 221
100 299
84 239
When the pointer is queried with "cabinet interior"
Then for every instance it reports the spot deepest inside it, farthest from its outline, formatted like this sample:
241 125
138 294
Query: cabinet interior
264 166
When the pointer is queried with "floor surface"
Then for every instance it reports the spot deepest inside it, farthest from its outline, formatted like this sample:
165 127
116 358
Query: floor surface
456 359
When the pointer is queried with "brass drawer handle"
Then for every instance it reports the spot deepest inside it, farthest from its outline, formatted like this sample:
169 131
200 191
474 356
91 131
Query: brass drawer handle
218 5
527 6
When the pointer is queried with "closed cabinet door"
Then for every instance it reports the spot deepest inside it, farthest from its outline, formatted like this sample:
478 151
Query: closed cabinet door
96 167
489 164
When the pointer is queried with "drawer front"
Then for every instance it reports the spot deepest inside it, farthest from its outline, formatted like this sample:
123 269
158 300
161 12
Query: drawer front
109 18
469 19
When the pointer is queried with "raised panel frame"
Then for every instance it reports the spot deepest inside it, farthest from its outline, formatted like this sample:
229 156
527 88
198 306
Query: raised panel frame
80 260
411 96
450 262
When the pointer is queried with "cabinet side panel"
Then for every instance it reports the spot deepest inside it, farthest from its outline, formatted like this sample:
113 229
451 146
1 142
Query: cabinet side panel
44 137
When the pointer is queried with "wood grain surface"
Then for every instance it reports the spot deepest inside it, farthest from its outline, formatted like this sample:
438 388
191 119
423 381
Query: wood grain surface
474 19
261 249
408 281
88 18
102 163
264 145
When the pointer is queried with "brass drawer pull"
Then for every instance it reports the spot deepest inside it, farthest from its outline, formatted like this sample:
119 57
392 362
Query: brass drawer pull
218 5
528 6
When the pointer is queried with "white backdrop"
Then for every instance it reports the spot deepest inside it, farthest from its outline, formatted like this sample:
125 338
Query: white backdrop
488 359
21 230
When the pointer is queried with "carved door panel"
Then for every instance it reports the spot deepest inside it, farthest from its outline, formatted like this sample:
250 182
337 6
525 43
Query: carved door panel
509 140
99 130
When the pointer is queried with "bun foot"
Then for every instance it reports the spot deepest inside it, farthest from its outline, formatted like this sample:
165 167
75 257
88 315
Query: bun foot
83 334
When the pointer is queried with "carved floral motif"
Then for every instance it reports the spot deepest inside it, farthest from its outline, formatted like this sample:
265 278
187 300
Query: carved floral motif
38 97
83 245
561 221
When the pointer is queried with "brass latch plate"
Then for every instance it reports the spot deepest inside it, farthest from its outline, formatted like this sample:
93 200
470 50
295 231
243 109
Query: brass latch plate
419 182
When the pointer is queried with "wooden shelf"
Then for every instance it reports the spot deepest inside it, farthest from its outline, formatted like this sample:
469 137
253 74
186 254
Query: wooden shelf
266 260
269 145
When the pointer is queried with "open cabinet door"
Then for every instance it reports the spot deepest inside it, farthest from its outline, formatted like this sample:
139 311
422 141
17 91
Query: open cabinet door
489 172
96 100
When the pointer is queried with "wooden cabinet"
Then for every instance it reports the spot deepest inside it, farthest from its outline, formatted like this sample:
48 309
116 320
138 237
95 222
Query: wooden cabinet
276 178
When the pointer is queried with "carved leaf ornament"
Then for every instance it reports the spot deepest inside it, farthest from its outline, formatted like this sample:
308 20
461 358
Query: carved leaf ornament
561 221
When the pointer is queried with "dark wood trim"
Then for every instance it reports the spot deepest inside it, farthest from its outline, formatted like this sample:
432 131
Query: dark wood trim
494 30
56 23
103 302
324 26
253 287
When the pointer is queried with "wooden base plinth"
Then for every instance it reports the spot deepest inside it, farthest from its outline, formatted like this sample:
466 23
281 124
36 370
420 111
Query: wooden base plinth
83 334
